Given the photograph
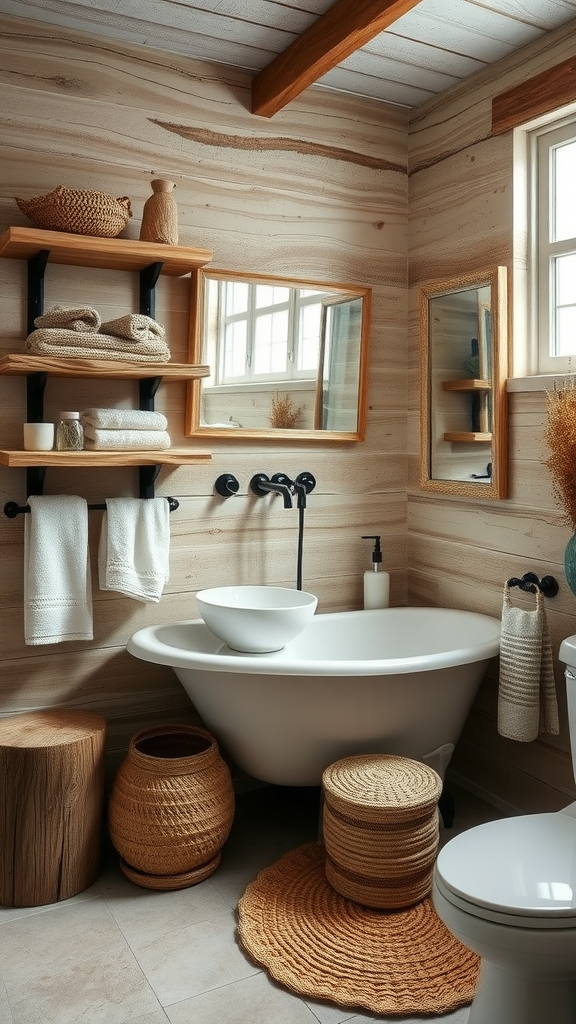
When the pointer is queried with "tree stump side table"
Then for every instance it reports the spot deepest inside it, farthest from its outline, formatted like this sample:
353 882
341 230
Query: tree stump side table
51 805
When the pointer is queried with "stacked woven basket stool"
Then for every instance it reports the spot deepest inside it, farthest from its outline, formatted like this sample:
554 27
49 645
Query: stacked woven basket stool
351 920
381 830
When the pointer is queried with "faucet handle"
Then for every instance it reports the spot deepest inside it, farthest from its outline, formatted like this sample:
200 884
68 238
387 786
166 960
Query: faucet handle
226 485
306 480
255 484
281 478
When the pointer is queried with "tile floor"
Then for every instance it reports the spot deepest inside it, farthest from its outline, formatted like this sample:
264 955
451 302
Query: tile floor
117 953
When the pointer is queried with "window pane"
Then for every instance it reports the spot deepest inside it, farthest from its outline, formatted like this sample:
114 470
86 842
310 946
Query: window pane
564 176
269 295
564 271
566 331
236 297
566 279
309 337
271 343
235 350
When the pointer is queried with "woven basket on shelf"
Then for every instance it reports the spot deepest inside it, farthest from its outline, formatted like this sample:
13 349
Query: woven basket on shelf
380 822
79 211
171 807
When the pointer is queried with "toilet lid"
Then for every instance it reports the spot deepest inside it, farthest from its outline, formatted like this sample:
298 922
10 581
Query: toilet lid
520 866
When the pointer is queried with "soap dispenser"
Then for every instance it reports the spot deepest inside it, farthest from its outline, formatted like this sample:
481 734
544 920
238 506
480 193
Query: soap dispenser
376 582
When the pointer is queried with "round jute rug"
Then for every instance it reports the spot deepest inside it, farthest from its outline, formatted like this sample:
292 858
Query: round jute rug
319 944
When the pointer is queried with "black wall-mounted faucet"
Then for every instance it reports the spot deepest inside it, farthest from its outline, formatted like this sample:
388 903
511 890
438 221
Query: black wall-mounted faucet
260 484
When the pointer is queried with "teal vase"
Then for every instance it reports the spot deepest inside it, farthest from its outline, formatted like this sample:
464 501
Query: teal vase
570 563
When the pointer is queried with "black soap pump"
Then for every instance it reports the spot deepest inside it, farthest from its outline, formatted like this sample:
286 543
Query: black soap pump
376 582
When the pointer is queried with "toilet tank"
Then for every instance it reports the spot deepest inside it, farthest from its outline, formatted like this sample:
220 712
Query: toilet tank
567 655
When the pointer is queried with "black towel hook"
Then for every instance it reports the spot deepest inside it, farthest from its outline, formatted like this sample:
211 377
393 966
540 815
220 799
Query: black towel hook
530 583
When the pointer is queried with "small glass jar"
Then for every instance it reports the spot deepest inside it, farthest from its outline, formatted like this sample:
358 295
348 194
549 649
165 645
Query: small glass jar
69 433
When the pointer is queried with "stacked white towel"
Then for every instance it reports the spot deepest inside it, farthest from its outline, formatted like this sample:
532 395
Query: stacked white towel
134 551
527 702
57 585
124 430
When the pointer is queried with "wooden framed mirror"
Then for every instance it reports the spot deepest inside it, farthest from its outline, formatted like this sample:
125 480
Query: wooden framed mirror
288 358
463 366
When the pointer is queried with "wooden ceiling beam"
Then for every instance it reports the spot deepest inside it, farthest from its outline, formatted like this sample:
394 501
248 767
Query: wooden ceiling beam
345 27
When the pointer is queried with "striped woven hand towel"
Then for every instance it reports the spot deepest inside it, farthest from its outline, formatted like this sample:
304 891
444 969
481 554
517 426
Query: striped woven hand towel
527 702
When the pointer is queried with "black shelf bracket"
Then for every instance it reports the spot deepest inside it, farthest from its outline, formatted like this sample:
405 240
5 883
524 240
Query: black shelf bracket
147 477
35 302
148 387
35 479
35 388
148 278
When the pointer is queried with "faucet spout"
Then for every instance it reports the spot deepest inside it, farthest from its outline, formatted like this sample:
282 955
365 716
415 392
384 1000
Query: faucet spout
260 485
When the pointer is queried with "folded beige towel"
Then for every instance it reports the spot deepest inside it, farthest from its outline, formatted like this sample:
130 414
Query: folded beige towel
83 319
125 440
527 692
92 345
135 327
123 419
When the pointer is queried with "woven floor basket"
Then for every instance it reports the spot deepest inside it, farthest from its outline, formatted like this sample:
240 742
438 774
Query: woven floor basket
380 822
79 211
171 807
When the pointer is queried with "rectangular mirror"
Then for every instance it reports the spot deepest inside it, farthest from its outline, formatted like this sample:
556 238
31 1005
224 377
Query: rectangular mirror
288 358
464 363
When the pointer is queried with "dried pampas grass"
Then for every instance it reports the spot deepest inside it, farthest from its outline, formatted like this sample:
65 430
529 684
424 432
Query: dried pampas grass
284 415
560 436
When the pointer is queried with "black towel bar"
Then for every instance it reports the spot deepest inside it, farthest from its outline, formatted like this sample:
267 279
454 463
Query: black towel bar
13 509
530 582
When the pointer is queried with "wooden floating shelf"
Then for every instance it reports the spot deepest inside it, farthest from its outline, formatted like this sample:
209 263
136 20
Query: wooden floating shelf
468 437
168 457
466 385
21 243
21 364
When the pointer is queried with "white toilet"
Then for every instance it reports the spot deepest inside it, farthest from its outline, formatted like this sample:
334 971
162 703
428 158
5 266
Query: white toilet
507 890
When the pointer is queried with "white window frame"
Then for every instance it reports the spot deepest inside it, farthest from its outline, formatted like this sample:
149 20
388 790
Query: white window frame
542 142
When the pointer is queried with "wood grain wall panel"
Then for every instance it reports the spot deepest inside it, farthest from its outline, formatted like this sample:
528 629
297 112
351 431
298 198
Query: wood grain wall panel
320 193
461 552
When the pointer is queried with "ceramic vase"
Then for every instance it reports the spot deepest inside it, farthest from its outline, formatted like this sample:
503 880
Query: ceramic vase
171 807
160 214
570 563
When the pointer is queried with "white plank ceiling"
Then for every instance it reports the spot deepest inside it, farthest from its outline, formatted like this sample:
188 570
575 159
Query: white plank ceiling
432 47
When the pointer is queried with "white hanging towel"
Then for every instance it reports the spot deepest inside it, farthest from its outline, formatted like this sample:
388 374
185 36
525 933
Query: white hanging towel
527 702
57 584
134 550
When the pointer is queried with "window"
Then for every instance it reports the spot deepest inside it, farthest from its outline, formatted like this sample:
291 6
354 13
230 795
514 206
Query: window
552 275
268 332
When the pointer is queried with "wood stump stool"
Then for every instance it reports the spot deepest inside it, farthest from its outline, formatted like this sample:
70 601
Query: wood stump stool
381 831
51 805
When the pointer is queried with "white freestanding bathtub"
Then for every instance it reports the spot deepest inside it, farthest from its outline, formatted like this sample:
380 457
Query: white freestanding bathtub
394 680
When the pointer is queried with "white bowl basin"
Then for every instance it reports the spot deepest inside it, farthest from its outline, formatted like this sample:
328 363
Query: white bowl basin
256 620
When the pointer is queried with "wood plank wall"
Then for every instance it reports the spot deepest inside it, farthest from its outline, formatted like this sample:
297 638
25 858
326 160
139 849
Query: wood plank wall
90 113
326 198
460 552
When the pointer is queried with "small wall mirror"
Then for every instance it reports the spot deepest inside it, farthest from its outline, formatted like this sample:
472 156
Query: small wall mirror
288 358
463 353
